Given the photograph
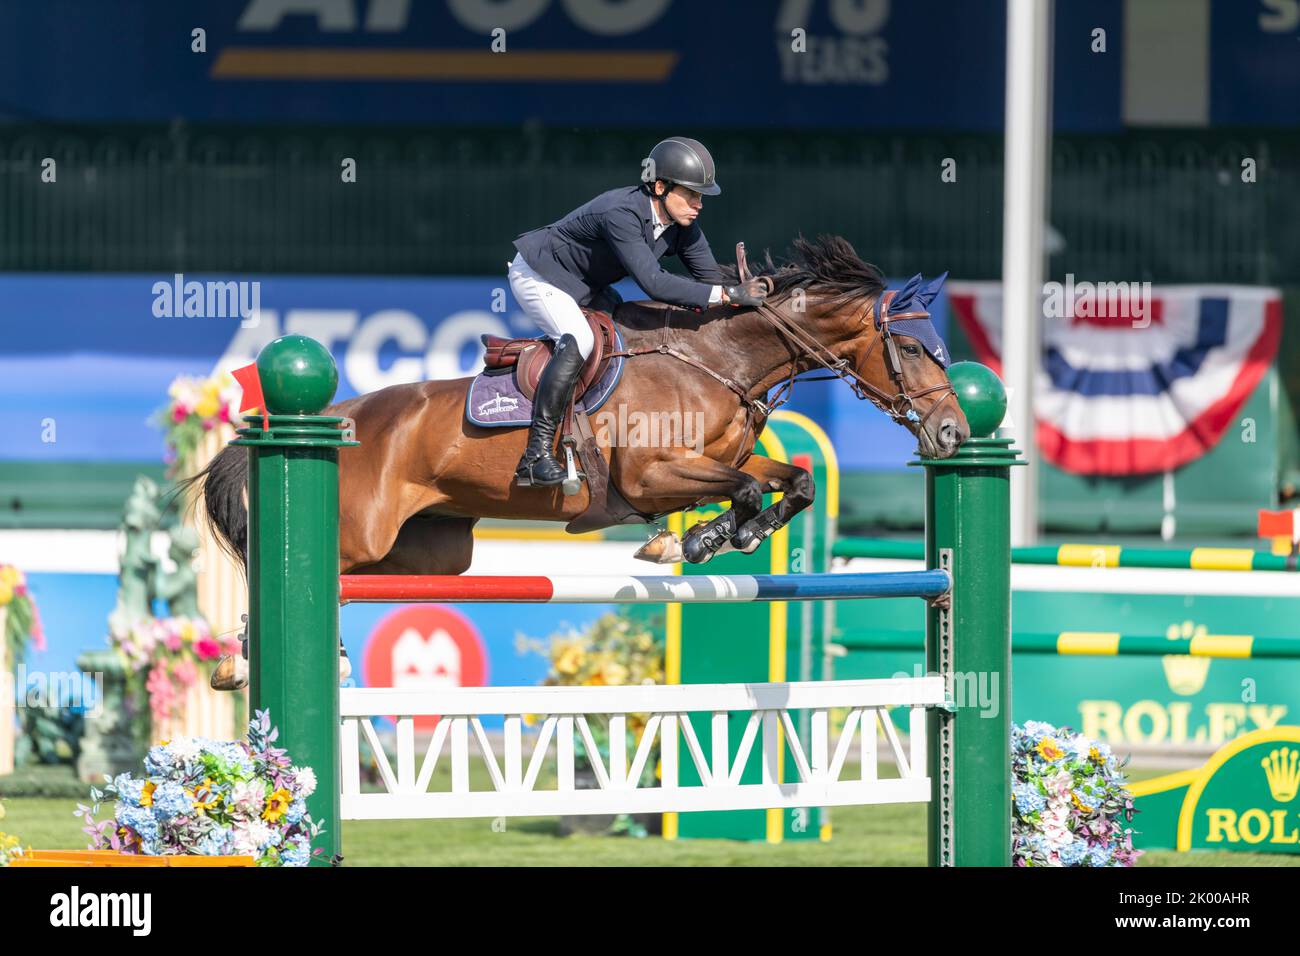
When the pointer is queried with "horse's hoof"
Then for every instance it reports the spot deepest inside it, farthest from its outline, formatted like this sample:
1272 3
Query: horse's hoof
663 548
231 673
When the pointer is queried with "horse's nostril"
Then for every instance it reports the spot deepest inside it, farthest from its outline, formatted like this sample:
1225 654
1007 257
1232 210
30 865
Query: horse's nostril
950 435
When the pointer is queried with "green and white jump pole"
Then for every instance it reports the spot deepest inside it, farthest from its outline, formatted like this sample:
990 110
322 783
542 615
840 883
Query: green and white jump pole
293 563
968 534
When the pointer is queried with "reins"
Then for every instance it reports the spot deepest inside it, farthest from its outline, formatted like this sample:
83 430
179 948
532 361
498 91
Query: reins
899 406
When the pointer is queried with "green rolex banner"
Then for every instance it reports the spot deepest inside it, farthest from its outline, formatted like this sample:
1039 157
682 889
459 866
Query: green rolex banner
1242 799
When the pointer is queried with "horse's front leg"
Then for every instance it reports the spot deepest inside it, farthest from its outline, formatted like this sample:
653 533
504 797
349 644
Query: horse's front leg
700 478
798 492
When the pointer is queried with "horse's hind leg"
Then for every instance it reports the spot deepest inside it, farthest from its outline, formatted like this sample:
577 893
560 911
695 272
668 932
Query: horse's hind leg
798 492
428 544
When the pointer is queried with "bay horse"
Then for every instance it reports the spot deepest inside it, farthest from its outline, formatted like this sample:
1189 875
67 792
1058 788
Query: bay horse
410 495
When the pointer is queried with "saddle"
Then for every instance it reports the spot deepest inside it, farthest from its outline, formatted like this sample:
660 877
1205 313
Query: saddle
528 356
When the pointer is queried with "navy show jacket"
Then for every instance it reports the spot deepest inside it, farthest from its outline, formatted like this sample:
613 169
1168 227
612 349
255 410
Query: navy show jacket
612 237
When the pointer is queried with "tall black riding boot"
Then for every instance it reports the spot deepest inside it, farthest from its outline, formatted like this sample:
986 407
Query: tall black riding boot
554 390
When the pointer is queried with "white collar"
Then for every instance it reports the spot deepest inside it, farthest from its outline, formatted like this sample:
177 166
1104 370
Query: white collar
654 218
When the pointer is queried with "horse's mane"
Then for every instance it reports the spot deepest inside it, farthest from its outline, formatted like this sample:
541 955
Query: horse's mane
827 266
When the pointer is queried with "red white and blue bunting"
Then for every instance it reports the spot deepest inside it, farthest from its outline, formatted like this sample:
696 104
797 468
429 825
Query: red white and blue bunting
1127 394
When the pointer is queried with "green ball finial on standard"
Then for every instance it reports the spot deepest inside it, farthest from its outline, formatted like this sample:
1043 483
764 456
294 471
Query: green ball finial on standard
981 395
298 376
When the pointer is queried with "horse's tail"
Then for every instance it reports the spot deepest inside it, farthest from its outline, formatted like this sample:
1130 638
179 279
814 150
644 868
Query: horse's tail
223 485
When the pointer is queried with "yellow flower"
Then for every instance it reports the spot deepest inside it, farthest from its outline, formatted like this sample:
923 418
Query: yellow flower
277 804
569 660
614 673
6 593
146 794
10 575
1094 755
1049 749
1079 803
204 796
207 406
187 632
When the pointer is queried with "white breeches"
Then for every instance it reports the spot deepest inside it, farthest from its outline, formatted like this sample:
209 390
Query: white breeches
553 310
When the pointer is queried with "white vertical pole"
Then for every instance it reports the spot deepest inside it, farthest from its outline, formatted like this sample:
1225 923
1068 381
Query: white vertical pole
1024 214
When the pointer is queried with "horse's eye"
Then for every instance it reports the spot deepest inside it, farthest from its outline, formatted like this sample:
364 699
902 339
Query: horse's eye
911 351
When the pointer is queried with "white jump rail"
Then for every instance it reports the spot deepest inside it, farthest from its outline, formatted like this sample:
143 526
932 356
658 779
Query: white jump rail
563 717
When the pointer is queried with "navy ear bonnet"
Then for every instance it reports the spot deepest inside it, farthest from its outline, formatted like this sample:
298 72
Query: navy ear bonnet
916 296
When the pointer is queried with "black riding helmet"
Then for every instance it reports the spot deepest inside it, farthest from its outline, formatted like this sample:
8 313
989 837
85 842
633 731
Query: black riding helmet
685 162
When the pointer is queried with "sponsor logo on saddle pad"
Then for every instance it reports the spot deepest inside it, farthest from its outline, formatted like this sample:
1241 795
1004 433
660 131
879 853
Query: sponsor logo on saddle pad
502 403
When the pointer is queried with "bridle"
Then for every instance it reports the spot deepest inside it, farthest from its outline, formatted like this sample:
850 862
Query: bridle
900 406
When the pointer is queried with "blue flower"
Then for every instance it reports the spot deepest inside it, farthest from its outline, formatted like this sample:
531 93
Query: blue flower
171 800
1099 856
1038 846
127 788
214 843
1072 854
296 852
1039 729
1028 799
139 819
160 761
297 810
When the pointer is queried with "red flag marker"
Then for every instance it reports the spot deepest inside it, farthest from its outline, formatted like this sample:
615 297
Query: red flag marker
251 383
1280 524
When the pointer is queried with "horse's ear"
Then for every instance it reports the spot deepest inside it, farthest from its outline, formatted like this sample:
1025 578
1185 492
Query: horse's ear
903 297
927 293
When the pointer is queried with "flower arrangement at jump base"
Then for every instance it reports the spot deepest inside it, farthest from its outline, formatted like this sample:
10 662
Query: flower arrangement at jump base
1070 804
169 653
204 797
18 612
197 406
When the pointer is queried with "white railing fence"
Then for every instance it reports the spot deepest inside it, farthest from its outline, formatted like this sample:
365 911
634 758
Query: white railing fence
821 774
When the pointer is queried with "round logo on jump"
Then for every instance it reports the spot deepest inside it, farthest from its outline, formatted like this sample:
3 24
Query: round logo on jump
427 648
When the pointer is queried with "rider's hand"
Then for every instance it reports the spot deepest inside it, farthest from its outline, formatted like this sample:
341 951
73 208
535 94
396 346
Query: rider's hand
750 293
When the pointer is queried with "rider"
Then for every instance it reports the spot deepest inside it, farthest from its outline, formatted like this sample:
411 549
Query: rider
574 261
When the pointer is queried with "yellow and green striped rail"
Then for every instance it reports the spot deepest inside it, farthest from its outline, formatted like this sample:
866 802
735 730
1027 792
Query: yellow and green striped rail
1100 644
1090 556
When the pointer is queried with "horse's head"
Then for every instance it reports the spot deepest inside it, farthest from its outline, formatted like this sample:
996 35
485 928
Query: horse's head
901 362
889 350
